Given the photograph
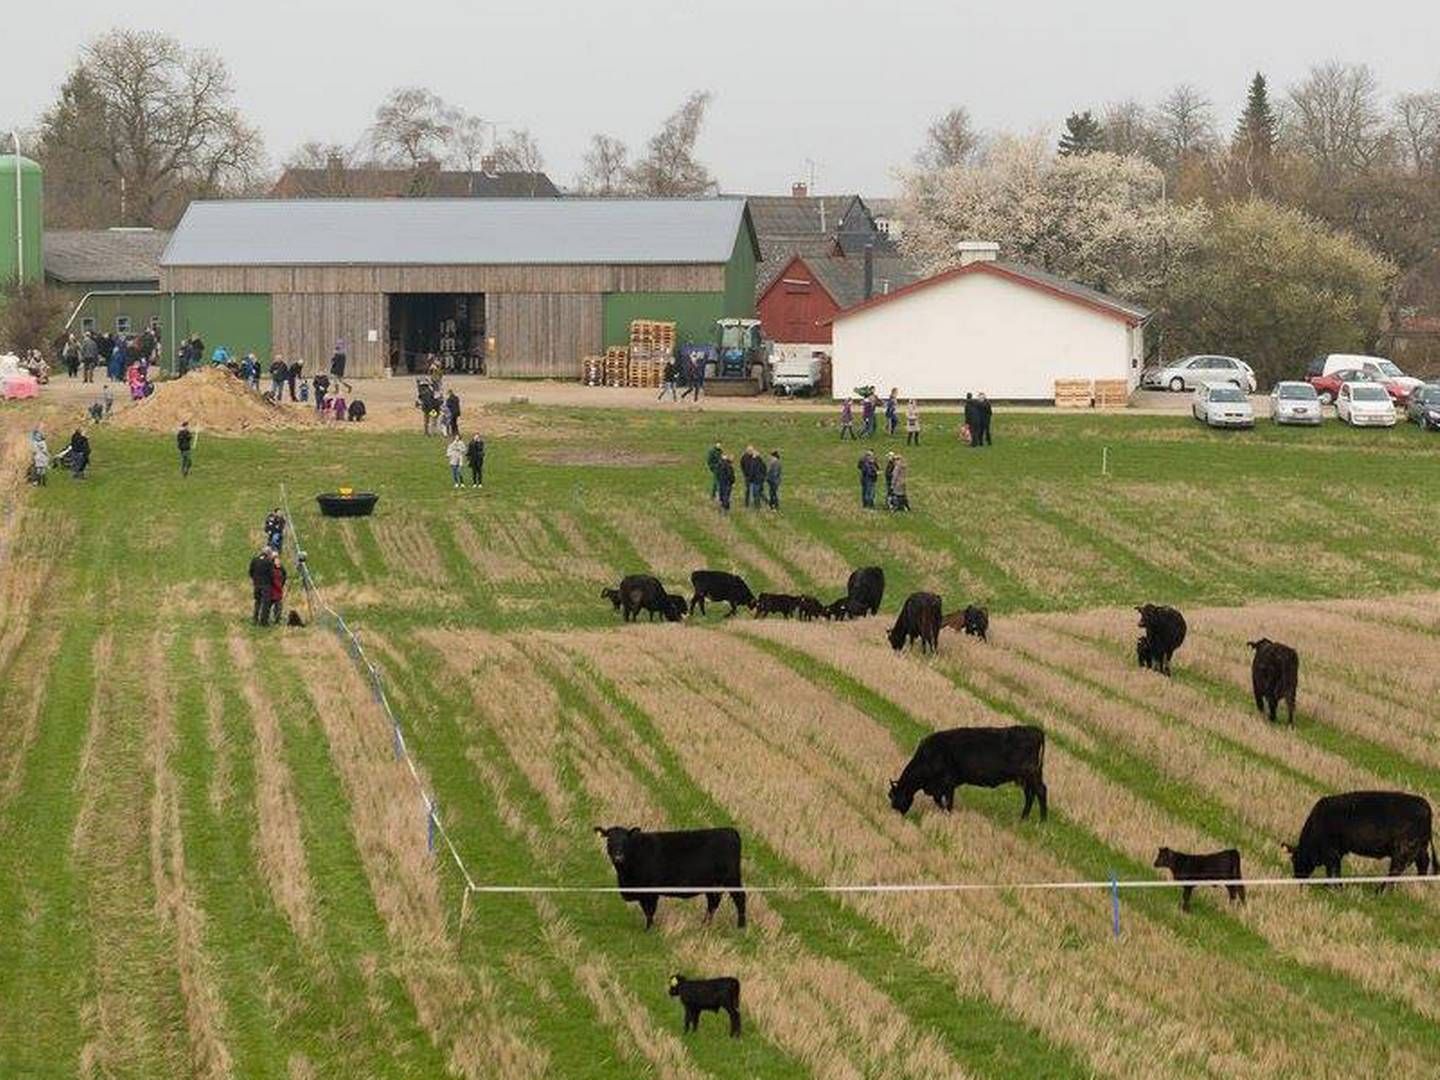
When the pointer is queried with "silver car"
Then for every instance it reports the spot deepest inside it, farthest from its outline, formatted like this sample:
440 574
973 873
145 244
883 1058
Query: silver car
1221 404
1189 372
1293 402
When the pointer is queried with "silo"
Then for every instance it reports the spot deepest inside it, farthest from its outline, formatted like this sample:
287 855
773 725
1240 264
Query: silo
20 220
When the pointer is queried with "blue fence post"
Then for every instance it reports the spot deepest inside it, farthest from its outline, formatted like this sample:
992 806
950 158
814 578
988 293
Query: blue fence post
1115 905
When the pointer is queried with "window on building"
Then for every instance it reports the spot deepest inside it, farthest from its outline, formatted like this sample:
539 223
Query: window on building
122 324
87 326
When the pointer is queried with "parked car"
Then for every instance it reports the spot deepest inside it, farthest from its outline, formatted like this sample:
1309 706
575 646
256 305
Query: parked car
1189 372
1399 385
1423 407
1328 386
1222 404
1294 402
1365 404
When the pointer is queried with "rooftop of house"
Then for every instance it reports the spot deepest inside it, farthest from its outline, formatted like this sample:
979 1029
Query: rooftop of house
94 256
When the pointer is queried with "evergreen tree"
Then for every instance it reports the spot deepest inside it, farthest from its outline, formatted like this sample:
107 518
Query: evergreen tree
1258 126
1083 135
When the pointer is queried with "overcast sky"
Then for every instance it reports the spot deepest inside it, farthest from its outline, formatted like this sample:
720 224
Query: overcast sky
849 86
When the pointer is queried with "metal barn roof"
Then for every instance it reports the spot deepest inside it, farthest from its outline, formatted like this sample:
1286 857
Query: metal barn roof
429 232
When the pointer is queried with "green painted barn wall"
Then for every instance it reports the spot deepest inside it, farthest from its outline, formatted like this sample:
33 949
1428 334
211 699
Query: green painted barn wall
30 218
140 308
695 313
740 279
240 322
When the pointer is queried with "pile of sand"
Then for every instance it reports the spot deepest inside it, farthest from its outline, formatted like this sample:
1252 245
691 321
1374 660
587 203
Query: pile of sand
212 400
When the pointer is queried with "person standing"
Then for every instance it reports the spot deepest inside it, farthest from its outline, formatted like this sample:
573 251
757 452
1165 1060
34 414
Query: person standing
337 364
275 530
321 383
261 570
772 479
972 419
747 472
452 410
867 415
70 354
667 380
725 481
184 440
475 455
912 424
292 376
892 406
847 419
89 357
278 374
39 456
276 595
78 455
986 412
899 500
455 455
869 472
889 477
713 457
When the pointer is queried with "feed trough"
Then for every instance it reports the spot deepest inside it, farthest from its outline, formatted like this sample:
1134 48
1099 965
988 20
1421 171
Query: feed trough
347 503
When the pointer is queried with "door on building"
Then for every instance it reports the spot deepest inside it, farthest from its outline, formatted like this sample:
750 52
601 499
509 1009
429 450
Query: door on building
444 327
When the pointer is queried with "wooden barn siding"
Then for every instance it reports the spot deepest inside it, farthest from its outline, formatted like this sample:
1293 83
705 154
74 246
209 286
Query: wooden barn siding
308 325
542 334
443 279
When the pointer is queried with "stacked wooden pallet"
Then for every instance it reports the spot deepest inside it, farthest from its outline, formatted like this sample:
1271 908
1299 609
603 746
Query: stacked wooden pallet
592 370
1073 393
650 334
617 366
1112 393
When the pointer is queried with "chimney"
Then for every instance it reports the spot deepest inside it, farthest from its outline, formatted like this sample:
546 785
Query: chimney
973 251
487 165
869 271
798 190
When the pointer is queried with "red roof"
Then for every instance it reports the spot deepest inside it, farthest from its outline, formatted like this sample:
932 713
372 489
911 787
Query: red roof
1030 276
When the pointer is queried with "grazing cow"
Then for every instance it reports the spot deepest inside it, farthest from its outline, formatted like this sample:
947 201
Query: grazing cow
695 861
1375 824
918 618
974 621
808 609
613 595
1143 656
769 603
839 610
1274 675
1217 866
707 995
865 590
641 592
720 585
983 757
1165 632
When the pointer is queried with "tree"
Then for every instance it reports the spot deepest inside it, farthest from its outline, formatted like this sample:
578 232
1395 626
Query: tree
1333 118
1097 218
950 140
151 122
1083 135
1272 284
1252 147
32 316
605 167
468 140
1185 123
1128 129
1417 120
412 127
518 152
669 167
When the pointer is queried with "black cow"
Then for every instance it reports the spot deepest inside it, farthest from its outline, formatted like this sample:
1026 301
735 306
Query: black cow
808 609
918 618
641 592
1274 675
613 595
983 757
769 603
1164 632
974 621
1217 866
1143 656
720 585
707 995
838 610
694 861
865 590
1375 824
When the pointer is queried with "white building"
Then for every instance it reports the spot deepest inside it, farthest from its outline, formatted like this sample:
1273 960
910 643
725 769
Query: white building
999 328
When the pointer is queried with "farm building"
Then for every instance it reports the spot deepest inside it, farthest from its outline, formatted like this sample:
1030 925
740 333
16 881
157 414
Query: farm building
1001 328
113 276
529 286
806 292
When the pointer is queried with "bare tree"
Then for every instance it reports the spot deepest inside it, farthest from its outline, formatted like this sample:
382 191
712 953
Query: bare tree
468 140
605 168
156 121
669 166
412 127
1333 117
1185 123
1417 121
518 152
1128 129
949 140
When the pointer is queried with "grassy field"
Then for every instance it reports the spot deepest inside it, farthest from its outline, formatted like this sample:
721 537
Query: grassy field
214 865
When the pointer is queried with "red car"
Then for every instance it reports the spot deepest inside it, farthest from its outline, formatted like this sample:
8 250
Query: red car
1328 386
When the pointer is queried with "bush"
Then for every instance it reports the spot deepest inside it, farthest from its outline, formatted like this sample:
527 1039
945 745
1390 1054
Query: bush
32 316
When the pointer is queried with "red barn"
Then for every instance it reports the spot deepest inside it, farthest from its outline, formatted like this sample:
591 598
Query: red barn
795 307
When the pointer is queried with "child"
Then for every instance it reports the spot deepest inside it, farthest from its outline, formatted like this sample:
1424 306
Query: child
847 419
40 456
337 406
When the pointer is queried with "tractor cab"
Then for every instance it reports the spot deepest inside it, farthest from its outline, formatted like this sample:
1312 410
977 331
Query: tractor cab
740 345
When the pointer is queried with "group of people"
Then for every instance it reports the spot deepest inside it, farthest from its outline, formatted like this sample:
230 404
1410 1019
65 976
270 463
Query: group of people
870 407
267 573
761 477
439 412
689 371
896 472
977 420
459 453
119 354
75 456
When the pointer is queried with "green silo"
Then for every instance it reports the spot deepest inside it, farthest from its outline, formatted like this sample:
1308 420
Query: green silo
20 224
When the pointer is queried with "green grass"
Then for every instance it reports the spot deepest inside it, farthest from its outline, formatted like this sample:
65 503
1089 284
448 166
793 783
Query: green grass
88 975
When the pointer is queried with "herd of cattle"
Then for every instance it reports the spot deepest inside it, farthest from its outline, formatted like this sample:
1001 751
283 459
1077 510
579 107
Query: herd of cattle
686 863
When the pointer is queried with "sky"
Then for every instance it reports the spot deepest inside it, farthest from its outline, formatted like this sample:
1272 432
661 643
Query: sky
845 90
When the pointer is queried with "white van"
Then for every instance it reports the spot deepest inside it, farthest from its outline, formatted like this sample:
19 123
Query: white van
1377 367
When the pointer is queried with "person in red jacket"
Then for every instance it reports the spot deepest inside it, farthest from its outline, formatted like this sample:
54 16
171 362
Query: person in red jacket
277 590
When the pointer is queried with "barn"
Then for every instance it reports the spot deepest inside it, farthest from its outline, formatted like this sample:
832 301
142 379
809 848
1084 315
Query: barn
515 287
1001 328
798 303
